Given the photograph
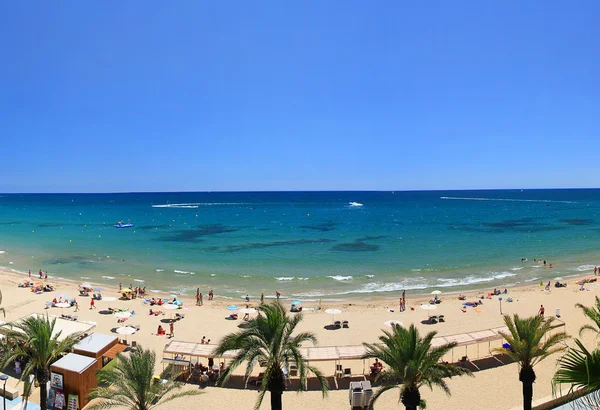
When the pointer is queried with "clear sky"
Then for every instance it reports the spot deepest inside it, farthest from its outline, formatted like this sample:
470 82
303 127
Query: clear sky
310 95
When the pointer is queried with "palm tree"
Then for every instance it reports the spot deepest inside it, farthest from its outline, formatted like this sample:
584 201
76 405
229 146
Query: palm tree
36 343
130 384
581 369
411 363
530 342
593 313
268 339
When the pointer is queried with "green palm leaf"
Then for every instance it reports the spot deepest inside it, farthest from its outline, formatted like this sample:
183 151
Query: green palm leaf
411 363
270 340
130 384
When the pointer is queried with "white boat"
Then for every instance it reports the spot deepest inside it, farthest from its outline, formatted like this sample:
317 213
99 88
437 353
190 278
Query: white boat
355 204
122 224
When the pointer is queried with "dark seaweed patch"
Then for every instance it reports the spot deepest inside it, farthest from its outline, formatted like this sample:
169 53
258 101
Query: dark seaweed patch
323 227
194 234
371 238
260 245
81 260
149 227
355 247
576 221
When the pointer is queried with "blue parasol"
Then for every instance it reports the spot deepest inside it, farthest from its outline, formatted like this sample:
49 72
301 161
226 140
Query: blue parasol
232 307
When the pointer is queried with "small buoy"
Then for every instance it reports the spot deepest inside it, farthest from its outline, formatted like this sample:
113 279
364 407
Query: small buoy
70 240
99 236
307 214
79 213
32 230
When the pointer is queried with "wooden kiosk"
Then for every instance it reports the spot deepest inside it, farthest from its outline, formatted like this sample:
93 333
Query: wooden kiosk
74 375
98 346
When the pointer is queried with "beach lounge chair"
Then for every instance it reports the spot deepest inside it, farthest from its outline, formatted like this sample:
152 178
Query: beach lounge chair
345 324
337 324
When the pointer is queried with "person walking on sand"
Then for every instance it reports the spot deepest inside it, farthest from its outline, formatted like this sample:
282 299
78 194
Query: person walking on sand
172 329
120 286
211 295
30 272
46 277
200 298
541 311
262 298
197 299
76 305
92 304
41 274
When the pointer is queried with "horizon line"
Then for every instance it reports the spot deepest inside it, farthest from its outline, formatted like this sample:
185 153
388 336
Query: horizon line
296 191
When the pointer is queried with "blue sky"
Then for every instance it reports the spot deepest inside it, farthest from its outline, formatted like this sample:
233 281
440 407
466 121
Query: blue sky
312 95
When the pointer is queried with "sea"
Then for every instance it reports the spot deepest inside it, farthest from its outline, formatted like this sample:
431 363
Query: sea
306 245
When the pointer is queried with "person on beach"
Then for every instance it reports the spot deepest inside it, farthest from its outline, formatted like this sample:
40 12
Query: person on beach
92 304
400 305
41 274
203 341
247 298
262 298
197 291
30 272
172 329
211 295
200 299
548 286
541 311
595 271
120 286
160 331
277 295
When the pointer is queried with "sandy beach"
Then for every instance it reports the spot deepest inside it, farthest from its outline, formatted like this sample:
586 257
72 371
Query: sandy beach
500 384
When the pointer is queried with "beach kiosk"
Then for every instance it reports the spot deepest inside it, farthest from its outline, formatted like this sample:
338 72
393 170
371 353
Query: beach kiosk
71 380
98 346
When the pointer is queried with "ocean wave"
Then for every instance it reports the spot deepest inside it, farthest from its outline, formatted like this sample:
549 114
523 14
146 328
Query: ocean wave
341 278
584 268
139 280
302 278
471 279
506 200
108 277
213 274
519 268
369 276
183 272
195 205
84 277
184 206
245 276
379 287
308 295
1 252
160 270
285 278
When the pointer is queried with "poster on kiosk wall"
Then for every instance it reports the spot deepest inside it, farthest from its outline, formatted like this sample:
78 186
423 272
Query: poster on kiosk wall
73 403
60 402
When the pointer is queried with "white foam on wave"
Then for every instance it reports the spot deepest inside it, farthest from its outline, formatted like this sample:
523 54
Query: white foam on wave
183 272
519 268
1 252
471 279
505 199
194 205
160 270
108 277
245 276
139 280
308 295
84 277
213 274
302 278
584 268
379 287
355 204
285 278
179 206
340 277
369 276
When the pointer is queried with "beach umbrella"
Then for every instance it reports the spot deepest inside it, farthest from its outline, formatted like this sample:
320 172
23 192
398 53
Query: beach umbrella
232 307
63 305
122 315
333 312
392 323
85 285
126 290
296 302
170 307
99 289
107 299
436 292
126 330
428 307
178 303
248 310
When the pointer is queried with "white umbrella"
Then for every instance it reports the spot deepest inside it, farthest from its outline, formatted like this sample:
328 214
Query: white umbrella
170 307
248 310
122 315
333 312
428 307
63 305
392 323
436 292
85 285
107 299
126 330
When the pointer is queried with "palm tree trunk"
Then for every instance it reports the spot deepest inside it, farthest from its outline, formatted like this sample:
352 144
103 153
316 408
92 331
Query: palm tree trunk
276 400
410 398
527 377
43 378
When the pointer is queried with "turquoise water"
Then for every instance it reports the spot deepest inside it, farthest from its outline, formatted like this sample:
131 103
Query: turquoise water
305 244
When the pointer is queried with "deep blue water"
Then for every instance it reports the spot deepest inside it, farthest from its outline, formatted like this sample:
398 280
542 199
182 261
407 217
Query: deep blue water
305 244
